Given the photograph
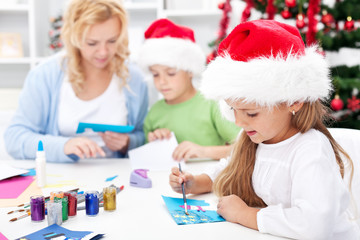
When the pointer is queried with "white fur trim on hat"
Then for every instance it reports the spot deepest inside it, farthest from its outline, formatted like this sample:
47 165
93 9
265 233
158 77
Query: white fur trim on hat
173 52
268 81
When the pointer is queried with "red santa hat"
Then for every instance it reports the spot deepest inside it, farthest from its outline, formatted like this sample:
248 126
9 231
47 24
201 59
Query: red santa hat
171 45
266 62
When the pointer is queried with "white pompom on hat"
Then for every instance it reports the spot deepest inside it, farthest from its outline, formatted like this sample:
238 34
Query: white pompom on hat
266 62
169 44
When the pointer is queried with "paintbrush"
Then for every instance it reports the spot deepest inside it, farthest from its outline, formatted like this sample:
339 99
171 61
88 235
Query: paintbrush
26 205
19 210
183 192
22 216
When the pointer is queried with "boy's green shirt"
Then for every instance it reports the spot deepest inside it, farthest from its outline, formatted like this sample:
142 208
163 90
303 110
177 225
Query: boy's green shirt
197 120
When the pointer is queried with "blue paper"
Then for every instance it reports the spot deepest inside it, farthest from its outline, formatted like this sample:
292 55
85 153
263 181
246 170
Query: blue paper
32 172
195 216
53 231
103 128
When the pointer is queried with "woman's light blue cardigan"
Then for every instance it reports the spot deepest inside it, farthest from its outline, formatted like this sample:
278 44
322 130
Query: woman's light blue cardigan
37 115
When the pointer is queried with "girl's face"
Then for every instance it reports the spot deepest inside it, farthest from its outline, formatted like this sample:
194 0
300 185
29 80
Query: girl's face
261 124
175 85
99 46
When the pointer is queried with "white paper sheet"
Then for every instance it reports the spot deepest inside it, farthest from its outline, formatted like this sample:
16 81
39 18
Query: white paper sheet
7 171
155 156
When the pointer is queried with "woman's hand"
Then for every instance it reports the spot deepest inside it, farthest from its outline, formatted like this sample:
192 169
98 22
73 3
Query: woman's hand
160 133
83 148
176 178
116 141
235 210
186 150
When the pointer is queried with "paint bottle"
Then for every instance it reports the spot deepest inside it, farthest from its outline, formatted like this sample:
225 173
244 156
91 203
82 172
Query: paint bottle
54 212
37 208
92 203
109 198
40 162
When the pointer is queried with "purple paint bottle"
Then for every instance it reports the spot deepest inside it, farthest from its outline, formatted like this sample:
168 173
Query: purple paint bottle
37 206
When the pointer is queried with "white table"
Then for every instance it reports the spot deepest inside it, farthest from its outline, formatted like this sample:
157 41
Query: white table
140 214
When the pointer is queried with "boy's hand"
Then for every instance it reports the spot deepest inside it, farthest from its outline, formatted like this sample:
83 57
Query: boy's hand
115 141
176 179
186 150
83 148
160 133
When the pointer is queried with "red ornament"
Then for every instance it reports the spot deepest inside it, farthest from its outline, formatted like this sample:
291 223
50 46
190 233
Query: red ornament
337 104
221 5
300 21
353 103
210 57
290 3
327 19
349 24
286 14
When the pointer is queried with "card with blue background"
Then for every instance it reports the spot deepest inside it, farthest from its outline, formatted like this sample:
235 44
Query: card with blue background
197 209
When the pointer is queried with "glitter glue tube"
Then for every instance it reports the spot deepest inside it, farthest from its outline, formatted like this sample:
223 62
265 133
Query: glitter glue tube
65 214
109 194
40 162
92 203
72 203
37 208
54 212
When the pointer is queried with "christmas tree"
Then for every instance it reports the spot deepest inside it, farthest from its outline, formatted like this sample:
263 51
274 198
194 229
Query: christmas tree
334 26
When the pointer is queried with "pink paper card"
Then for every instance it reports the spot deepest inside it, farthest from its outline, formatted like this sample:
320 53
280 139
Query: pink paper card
2 237
13 187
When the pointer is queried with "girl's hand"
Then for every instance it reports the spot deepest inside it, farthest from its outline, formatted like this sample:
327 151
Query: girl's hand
83 148
176 179
116 141
235 210
186 150
160 133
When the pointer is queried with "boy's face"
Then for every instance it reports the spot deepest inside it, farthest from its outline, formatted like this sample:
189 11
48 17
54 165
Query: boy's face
175 85
261 124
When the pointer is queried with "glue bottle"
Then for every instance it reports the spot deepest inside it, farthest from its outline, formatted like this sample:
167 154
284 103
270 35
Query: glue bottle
40 165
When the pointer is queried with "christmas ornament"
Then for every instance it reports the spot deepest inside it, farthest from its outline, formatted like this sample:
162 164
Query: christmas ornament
286 13
271 9
349 24
312 12
327 19
353 103
300 21
221 5
54 33
290 3
210 57
337 104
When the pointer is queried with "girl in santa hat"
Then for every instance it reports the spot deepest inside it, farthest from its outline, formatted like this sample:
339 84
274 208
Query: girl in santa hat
286 172
173 58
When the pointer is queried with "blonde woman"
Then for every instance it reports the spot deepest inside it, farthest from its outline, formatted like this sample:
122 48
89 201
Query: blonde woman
285 174
91 81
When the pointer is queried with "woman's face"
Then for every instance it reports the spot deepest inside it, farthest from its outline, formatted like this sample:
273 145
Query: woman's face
175 85
99 46
262 124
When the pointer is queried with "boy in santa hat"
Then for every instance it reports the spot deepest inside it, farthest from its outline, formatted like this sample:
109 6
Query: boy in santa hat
173 58
286 172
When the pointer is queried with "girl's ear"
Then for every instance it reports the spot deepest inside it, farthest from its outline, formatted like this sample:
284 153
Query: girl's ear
295 107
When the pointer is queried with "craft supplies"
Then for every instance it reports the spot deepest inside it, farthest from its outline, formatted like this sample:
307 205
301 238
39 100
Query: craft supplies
92 203
56 195
37 208
183 192
72 203
40 162
28 213
109 195
139 178
64 203
54 212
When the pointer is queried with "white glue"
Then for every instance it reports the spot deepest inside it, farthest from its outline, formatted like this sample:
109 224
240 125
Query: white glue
40 165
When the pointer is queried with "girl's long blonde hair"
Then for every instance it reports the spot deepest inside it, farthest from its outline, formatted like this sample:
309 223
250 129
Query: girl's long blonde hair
236 178
79 17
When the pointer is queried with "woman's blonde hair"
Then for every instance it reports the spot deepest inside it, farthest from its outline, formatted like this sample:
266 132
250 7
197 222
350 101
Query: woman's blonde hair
79 17
236 178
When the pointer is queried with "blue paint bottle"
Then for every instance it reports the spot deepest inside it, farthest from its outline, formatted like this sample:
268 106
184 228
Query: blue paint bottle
92 203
